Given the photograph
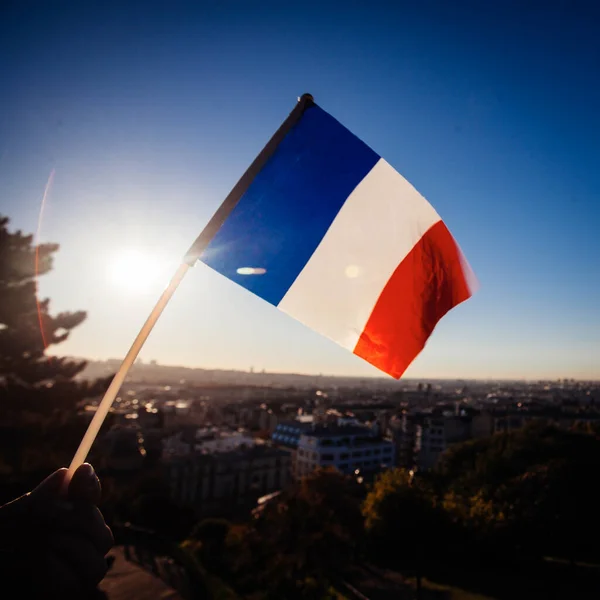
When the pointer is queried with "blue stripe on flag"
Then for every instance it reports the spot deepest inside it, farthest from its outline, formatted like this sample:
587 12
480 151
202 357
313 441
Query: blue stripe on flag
289 206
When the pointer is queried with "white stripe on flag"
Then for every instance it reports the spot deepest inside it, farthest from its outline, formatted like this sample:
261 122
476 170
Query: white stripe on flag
378 225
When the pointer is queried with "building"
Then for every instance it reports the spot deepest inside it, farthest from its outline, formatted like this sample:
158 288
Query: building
348 448
513 417
403 430
436 433
287 433
121 449
223 482
190 439
215 439
181 413
267 420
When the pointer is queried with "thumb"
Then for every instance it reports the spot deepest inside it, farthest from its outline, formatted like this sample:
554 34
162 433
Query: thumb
51 487
85 487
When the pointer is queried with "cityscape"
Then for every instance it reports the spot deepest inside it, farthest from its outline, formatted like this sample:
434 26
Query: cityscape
299 301
293 424
226 444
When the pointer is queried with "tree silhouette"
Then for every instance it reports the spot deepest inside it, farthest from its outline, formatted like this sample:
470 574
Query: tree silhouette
532 489
306 538
38 393
403 524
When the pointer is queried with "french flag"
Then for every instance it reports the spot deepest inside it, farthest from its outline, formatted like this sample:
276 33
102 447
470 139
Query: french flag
326 230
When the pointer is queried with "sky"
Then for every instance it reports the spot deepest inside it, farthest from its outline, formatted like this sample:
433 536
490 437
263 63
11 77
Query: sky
138 119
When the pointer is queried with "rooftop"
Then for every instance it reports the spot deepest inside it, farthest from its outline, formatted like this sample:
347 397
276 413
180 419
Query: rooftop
295 425
330 430
239 454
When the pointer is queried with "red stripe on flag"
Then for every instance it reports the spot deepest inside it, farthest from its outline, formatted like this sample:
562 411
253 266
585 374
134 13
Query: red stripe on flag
424 287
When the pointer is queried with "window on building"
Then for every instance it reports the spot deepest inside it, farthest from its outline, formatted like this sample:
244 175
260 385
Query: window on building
344 467
355 454
368 453
300 452
344 456
327 457
377 451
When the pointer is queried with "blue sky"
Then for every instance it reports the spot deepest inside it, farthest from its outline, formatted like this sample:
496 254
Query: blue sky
149 113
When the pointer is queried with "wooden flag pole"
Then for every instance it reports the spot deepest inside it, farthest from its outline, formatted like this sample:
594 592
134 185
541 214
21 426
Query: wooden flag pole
190 259
117 382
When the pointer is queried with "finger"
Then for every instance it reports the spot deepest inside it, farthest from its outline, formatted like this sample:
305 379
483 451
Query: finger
89 522
50 487
28 515
81 557
47 490
85 485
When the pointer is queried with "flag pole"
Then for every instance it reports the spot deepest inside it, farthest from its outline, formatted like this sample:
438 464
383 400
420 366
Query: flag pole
117 382
190 258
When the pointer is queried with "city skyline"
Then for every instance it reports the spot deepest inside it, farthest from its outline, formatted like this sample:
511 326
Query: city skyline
110 364
140 124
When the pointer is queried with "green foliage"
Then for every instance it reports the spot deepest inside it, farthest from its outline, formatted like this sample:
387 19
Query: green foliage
212 536
205 584
303 539
146 502
512 497
532 490
404 525
30 379
38 393
211 531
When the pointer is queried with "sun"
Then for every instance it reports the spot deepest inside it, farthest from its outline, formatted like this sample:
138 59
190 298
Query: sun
134 271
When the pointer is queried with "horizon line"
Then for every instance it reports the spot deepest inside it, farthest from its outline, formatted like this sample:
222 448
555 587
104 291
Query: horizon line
141 362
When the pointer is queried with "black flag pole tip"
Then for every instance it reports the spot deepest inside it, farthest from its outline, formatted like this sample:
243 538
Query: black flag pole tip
305 101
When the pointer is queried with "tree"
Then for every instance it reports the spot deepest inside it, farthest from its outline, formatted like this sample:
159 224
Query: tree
212 536
147 502
38 393
305 538
531 490
403 524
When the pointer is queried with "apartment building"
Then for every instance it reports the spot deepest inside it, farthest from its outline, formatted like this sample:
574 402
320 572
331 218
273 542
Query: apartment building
348 448
436 433
223 481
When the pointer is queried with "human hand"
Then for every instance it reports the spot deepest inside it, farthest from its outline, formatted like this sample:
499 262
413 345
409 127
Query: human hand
54 541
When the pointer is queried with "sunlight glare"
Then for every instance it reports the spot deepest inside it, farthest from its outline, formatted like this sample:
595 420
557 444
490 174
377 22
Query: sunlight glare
134 271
